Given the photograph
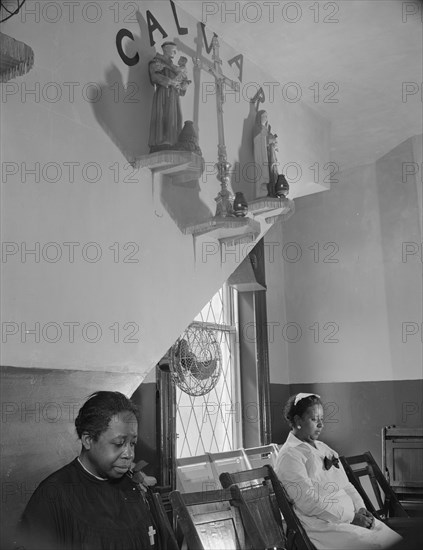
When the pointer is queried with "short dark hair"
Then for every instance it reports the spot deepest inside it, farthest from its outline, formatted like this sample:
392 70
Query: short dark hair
95 414
291 410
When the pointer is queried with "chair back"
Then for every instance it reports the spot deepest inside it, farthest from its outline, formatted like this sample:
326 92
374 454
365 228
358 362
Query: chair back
260 514
167 533
209 521
228 461
195 474
402 459
258 456
250 484
374 489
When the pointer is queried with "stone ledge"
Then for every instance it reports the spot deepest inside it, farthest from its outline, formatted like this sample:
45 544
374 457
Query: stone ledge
268 204
272 209
228 231
214 224
176 167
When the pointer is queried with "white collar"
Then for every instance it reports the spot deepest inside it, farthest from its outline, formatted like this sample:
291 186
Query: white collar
293 441
91 474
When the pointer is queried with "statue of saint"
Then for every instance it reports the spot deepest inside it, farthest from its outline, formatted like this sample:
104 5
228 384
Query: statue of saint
170 82
265 157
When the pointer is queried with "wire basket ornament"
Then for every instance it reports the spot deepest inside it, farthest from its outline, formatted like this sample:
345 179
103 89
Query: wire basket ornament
196 361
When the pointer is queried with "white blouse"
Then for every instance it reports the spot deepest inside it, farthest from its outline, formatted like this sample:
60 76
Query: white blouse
324 500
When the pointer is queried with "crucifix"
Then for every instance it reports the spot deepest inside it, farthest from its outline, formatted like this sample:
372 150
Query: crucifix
224 199
151 533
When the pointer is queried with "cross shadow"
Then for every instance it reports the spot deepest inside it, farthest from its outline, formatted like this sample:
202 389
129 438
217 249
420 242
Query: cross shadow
197 53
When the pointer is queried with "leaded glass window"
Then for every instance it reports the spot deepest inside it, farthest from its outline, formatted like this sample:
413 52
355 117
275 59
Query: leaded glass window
212 423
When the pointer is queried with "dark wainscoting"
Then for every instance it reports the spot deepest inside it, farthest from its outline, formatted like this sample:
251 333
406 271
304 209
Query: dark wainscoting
38 436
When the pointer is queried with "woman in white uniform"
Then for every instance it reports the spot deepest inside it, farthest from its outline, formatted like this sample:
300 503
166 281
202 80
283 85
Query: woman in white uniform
329 507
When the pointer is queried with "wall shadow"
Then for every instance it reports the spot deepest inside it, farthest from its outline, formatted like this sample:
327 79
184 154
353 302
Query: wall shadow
183 204
124 108
124 111
242 178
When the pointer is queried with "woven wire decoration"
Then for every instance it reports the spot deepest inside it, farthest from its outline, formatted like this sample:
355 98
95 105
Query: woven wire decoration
196 361
8 8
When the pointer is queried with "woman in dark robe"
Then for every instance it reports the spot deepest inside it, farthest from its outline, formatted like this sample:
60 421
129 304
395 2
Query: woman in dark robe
92 503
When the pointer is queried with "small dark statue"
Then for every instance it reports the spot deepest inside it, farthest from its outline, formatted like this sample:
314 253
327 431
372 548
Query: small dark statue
188 140
240 205
281 187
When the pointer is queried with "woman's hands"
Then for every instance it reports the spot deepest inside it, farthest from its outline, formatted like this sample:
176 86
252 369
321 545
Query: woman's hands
363 518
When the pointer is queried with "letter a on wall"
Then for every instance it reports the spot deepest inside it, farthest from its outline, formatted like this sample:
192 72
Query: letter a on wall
154 25
239 62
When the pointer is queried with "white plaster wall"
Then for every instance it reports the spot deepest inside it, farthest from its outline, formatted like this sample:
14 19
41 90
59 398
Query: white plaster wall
355 307
276 305
59 128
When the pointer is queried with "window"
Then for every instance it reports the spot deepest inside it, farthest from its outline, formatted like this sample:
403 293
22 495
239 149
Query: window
212 423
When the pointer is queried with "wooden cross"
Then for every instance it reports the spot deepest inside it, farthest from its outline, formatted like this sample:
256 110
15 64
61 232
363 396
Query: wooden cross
224 199
151 533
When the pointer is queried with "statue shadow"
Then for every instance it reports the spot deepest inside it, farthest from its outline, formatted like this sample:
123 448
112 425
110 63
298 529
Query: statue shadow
243 174
184 203
123 111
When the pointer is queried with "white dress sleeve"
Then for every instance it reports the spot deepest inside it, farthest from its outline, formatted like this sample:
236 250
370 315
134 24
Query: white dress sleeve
355 496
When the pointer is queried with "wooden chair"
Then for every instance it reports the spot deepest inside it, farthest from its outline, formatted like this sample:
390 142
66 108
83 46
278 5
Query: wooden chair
249 483
258 456
228 461
381 500
209 521
167 534
374 489
260 514
402 459
201 473
195 474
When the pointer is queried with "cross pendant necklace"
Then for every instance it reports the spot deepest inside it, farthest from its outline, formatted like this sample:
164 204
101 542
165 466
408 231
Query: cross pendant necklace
151 533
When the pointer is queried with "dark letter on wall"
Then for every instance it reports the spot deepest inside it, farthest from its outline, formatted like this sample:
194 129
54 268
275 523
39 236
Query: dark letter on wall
153 25
181 30
119 37
208 46
239 62
260 97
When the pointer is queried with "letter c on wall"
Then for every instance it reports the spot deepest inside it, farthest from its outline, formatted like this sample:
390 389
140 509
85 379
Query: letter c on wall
119 37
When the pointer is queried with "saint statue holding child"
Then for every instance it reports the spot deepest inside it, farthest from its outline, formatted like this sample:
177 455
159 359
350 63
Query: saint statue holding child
170 82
